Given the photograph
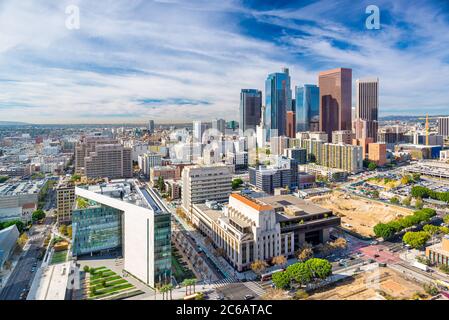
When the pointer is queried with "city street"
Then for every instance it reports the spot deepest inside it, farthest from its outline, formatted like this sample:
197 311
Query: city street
22 276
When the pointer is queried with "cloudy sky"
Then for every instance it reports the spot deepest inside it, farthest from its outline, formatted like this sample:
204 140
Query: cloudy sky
178 60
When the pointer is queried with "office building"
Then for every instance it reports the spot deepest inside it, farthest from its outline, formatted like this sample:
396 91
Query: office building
85 146
335 100
205 183
278 99
279 144
166 172
109 161
291 124
348 158
342 137
307 108
151 126
219 125
199 128
364 143
443 126
123 215
280 175
299 154
367 108
250 109
65 200
377 153
148 161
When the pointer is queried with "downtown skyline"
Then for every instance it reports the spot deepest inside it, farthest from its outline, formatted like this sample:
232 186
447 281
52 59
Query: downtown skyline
175 62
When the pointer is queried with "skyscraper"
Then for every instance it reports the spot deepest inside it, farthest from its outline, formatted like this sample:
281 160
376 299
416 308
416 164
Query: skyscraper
307 107
291 125
250 109
151 126
335 100
367 108
443 126
219 125
278 97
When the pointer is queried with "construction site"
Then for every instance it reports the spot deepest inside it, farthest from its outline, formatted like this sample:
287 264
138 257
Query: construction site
377 284
358 214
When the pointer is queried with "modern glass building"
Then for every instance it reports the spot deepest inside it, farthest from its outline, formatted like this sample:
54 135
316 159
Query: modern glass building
123 214
250 109
95 229
307 107
278 100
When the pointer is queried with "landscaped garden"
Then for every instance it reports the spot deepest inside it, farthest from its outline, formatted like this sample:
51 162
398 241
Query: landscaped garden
103 283
59 257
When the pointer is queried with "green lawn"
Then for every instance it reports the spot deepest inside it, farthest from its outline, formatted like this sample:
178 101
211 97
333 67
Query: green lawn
104 282
59 257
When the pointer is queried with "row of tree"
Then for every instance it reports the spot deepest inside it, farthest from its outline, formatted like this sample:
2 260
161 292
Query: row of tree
418 239
423 192
387 230
303 273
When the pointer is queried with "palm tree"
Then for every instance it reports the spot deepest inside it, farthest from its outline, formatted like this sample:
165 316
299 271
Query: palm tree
186 283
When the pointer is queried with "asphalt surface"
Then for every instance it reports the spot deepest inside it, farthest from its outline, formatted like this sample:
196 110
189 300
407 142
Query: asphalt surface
22 277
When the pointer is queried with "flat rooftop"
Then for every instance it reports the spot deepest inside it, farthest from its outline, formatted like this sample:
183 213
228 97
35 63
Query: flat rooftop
20 188
128 191
50 283
281 202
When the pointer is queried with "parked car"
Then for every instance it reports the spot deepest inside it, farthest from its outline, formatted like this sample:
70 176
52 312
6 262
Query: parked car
249 297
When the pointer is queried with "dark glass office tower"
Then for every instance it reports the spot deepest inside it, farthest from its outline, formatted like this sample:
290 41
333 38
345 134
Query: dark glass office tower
335 100
278 100
250 109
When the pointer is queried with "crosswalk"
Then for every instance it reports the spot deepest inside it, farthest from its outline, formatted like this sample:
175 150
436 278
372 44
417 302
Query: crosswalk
255 287
223 282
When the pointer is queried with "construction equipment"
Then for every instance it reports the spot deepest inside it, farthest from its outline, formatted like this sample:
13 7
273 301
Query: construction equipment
427 126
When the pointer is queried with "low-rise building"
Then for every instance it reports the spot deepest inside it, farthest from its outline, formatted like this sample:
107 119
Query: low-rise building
8 242
439 253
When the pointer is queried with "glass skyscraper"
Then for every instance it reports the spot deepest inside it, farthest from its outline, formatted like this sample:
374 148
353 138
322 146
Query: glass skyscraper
278 100
307 107
250 109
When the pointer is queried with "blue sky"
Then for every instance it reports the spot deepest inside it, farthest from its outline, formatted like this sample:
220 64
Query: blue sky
172 60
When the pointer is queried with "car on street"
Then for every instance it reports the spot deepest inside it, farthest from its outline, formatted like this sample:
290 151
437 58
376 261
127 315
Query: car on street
248 297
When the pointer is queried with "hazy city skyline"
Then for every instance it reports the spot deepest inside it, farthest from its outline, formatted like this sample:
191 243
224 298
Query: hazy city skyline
171 61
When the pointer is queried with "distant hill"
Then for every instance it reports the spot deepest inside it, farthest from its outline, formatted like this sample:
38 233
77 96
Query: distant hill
13 123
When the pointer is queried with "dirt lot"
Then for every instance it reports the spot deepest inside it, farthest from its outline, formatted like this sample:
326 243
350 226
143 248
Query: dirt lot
379 284
359 214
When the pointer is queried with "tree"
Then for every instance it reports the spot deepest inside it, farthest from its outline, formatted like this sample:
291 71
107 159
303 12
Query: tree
444 268
86 269
384 230
372 166
431 229
236 183
340 243
22 240
446 218
320 268
259 266
305 254
3 179
300 272
407 201
394 200
416 239
279 260
281 279
444 230
69 231
419 203
63 229
38 215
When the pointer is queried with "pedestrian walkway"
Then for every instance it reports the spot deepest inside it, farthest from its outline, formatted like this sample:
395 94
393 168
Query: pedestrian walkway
255 287
223 282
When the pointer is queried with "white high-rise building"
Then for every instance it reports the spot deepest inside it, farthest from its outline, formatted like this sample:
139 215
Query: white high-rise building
443 126
205 183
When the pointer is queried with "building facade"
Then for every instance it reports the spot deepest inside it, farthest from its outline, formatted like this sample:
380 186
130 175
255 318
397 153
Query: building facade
307 107
367 107
250 109
335 100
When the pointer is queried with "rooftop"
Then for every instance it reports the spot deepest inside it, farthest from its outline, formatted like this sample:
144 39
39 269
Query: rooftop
20 188
253 203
